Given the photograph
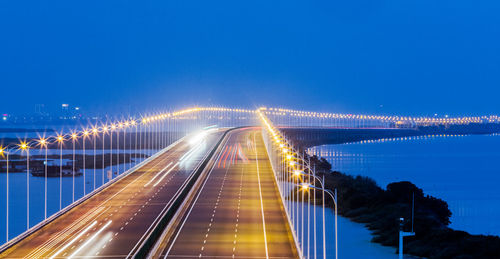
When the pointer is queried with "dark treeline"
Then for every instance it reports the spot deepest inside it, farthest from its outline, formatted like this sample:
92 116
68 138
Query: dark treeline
362 200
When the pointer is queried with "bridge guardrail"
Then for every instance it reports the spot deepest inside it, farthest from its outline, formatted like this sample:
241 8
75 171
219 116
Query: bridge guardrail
45 222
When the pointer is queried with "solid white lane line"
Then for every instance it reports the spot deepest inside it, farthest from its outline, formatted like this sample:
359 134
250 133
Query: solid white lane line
90 240
161 171
73 240
260 194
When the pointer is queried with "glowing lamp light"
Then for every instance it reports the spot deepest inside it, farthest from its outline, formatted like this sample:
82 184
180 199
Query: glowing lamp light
94 130
85 133
105 129
23 146
305 186
42 141
289 157
281 145
292 163
296 172
60 138
73 136
113 127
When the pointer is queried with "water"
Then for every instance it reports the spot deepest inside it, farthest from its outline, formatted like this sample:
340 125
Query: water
18 195
462 170
354 238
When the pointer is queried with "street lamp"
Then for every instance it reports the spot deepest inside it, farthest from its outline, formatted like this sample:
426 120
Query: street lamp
334 198
74 136
43 144
3 153
24 147
94 134
60 140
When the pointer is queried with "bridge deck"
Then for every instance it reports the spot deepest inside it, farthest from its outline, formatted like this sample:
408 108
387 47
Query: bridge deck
111 223
237 213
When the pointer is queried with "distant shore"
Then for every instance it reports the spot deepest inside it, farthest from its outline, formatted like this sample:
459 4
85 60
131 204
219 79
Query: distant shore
309 137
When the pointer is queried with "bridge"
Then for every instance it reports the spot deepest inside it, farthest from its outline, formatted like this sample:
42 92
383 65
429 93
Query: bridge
194 183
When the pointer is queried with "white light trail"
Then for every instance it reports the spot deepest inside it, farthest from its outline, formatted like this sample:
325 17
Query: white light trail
90 239
152 179
191 153
74 240
164 175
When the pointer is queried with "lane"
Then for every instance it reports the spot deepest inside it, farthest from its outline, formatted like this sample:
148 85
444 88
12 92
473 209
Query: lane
237 212
111 223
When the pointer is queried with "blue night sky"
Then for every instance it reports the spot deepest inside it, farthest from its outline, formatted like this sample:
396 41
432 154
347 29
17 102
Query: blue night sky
359 56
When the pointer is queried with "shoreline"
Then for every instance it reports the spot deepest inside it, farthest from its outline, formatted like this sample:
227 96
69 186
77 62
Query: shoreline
363 201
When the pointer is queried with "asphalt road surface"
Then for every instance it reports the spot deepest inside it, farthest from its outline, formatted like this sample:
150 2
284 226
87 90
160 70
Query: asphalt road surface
237 213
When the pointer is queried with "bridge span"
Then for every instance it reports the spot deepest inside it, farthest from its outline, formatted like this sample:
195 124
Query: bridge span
222 189
233 211
115 222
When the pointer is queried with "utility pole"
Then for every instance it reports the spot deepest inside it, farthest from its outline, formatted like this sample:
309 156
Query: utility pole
401 235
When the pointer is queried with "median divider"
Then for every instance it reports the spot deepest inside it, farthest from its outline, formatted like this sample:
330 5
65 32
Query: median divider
157 228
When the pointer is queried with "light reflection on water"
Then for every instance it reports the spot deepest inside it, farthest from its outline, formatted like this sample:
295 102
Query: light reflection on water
462 170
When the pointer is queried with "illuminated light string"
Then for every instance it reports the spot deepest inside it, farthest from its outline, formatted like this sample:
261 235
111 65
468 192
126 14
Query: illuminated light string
293 175
394 119
150 126
58 140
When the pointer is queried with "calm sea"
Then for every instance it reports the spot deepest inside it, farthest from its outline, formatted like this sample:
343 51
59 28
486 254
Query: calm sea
462 170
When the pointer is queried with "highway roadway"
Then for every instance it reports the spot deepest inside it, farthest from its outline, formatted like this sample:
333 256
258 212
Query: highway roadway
237 212
114 221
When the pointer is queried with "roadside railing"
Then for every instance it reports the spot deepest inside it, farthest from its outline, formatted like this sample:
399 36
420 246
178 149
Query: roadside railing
297 184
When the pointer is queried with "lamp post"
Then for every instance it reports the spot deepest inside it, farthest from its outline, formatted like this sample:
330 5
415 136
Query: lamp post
24 147
43 144
60 140
6 153
94 135
73 139
104 131
333 195
85 135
